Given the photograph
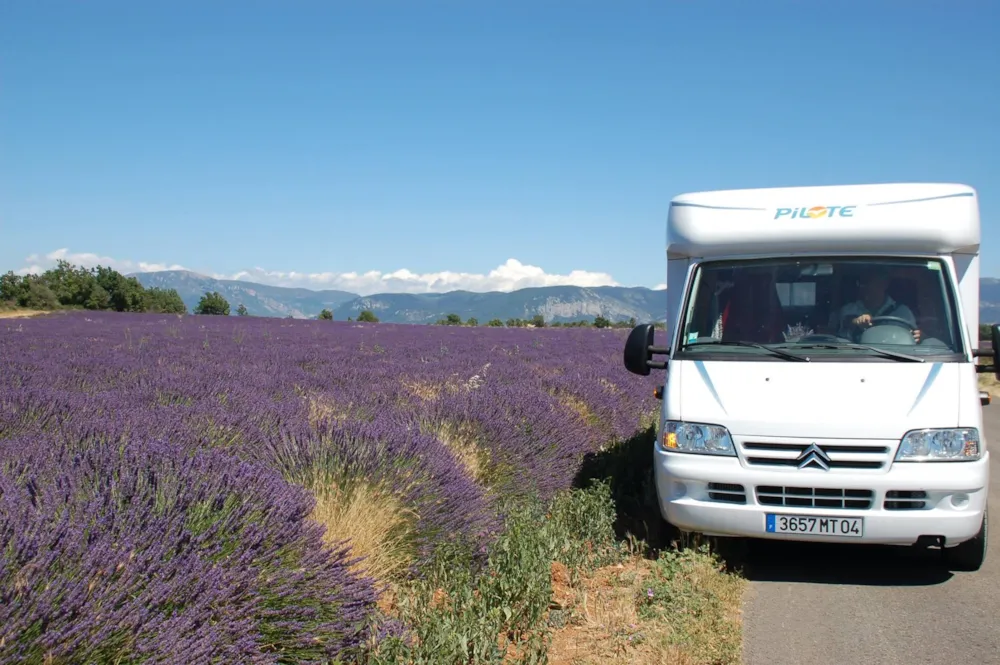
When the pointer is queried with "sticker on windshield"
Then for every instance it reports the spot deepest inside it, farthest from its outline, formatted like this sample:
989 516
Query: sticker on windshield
796 332
692 337
933 265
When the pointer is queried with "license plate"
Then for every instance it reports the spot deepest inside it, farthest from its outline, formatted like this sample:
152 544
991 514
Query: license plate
815 526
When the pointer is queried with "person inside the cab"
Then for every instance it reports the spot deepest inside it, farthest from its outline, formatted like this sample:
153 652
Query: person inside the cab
753 312
874 301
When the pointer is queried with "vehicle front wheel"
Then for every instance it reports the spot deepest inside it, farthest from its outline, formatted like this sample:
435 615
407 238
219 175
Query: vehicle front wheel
971 554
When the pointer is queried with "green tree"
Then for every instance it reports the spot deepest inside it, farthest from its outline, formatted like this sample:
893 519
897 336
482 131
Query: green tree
601 322
164 301
450 320
12 288
472 321
212 303
325 315
74 287
538 321
242 310
100 288
125 293
68 286
495 323
367 316
38 295
98 298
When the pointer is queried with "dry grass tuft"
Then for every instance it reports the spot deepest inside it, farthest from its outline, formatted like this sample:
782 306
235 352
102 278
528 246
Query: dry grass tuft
454 384
425 391
220 436
579 407
322 408
692 617
20 313
373 521
462 440
548 370
989 383
612 388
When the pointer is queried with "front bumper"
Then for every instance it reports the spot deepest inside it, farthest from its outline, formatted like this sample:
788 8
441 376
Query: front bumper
954 501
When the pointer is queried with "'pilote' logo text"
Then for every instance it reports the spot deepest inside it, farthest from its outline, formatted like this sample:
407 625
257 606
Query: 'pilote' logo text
816 212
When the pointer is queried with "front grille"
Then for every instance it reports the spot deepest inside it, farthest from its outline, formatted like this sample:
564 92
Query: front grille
814 497
841 456
727 492
905 500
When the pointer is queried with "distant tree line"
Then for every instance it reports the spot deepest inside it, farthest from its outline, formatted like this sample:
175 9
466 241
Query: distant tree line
100 288
537 321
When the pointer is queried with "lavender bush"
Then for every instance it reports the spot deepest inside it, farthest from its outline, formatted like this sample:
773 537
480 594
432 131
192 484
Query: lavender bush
153 469
139 551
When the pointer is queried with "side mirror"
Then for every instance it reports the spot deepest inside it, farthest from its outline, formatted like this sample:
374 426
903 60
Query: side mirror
639 350
993 353
995 343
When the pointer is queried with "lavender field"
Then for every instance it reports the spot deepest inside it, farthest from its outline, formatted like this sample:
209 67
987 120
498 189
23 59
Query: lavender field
180 489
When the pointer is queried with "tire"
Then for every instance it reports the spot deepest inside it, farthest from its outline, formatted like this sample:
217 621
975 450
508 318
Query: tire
970 555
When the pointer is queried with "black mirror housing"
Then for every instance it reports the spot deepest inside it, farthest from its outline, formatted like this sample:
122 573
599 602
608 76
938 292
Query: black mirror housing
995 342
639 350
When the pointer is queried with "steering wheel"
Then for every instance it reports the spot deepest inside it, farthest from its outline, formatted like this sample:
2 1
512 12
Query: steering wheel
894 319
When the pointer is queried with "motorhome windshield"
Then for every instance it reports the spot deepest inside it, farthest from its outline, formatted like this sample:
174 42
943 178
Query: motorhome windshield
824 309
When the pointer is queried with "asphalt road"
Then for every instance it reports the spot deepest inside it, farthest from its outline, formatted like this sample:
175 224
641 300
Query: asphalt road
817 604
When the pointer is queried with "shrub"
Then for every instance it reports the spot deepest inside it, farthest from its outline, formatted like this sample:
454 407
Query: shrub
212 303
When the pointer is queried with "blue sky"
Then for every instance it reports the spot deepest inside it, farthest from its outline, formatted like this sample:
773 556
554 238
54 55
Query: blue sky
283 139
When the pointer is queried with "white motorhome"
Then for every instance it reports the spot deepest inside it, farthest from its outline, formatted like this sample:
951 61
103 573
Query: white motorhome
821 363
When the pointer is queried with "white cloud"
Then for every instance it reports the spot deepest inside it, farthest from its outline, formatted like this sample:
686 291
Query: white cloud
660 287
38 264
509 276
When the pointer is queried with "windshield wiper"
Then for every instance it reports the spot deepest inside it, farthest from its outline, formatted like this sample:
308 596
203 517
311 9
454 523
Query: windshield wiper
863 347
776 352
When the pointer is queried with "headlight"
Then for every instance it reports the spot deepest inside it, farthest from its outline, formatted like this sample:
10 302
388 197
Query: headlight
684 437
940 445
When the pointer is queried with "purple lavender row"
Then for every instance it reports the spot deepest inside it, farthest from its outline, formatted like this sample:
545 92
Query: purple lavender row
144 551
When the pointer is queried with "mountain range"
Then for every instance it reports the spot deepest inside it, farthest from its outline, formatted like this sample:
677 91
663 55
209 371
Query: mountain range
554 303
989 300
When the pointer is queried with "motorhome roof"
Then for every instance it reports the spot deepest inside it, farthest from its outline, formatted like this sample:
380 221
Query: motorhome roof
913 217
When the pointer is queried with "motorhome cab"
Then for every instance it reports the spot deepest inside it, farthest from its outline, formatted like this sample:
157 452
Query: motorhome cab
821 367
